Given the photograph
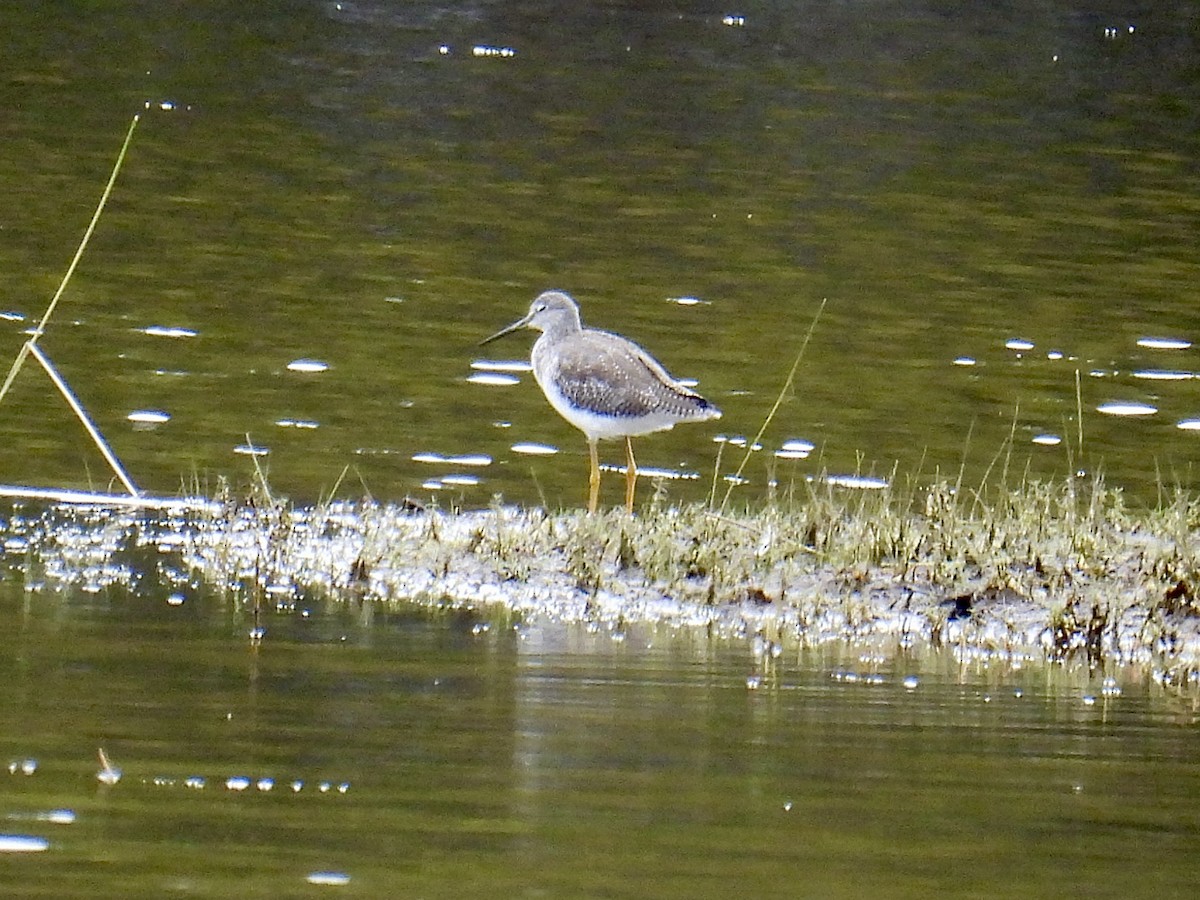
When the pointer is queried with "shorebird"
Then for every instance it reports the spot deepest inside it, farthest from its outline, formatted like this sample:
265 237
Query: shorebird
605 385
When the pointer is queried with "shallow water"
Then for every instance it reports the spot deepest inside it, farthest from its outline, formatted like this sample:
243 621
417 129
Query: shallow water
372 187
455 755
323 210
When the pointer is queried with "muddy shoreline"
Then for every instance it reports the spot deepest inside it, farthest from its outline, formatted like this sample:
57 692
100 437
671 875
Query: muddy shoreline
1046 573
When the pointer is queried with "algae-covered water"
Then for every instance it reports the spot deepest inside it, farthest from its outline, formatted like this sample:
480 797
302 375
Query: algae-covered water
327 204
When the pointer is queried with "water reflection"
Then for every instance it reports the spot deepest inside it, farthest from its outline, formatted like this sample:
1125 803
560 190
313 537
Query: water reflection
149 417
308 366
493 379
1120 409
1153 343
436 752
532 448
1163 375
169 331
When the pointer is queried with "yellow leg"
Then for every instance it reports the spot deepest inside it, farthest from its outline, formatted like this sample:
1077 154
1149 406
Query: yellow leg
593 479
630 475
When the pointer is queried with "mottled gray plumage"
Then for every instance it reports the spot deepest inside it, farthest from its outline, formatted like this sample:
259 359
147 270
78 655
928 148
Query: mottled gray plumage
607 376
604 385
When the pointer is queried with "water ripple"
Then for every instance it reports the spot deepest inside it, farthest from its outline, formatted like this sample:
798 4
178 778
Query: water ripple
530 448
308 366
502 365
1163 375
169 331
1126 409
149 417
468 459
493 379
857 482
1163 343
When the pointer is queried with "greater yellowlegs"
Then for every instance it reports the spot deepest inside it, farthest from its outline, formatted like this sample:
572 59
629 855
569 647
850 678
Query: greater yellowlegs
606 386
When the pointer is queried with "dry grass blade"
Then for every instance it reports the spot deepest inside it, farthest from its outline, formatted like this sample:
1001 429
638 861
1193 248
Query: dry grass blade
783 392
62 286
30 346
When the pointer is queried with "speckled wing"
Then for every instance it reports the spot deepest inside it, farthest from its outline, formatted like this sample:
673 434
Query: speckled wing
607 375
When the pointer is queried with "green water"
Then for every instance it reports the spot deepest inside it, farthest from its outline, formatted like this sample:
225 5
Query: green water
468 757
351 183
330 184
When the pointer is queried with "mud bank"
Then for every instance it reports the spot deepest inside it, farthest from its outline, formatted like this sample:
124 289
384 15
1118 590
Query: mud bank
1044 572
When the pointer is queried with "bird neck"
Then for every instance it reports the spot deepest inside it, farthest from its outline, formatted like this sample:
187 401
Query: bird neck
560 326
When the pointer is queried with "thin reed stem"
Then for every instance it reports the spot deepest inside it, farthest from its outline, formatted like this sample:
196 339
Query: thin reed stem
783 392
87 235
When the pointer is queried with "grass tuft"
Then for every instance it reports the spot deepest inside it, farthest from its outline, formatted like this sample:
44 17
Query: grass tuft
1065 570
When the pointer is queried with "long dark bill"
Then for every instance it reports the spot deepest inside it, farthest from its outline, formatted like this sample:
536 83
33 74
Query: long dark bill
515 326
